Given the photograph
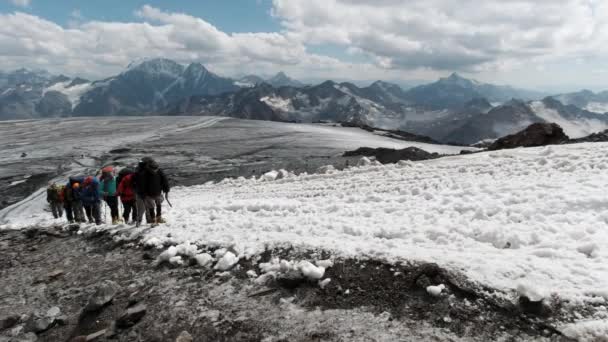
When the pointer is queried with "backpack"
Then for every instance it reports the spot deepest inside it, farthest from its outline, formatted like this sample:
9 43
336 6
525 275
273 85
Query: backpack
122 174
61 193
52 193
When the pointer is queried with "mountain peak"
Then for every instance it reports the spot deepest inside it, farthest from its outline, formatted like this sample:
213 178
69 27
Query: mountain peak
157 65
281 79
195 68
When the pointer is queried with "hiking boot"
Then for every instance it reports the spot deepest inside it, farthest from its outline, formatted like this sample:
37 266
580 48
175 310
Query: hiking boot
138 223
115 221
159 220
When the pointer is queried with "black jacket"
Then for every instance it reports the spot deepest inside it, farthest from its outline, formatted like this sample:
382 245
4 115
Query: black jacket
150 182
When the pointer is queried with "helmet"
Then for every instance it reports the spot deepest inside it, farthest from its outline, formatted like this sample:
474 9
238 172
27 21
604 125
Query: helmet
108 169
75 185
88 180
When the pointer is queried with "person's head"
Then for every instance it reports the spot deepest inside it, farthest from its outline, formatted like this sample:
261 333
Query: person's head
75 186
88 180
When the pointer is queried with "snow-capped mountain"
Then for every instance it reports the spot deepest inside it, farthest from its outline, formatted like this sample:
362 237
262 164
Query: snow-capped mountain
586 99
475 124
278 80
328 101
249 81
30 94
149 86
282 80
454 91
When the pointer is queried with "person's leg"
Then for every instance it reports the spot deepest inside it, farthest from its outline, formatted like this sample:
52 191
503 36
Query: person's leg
113 203
78 211
96 211
53 206
134 209
88 209
69 215
150 206
141 209
159 216
126 211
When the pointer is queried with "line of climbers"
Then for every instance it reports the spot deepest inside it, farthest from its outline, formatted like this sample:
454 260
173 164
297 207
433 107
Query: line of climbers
140 191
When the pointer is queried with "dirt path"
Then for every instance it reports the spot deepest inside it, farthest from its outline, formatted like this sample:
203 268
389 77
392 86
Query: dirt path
43 271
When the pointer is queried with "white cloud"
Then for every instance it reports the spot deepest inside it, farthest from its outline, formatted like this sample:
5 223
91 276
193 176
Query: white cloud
451 35
493 40
21 3
100 47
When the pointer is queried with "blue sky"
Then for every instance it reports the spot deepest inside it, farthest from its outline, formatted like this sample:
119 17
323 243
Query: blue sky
556 45
230 16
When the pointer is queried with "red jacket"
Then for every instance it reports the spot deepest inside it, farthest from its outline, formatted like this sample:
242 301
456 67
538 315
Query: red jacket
125 189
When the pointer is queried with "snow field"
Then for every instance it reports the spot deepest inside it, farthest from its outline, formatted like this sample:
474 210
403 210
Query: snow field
525 220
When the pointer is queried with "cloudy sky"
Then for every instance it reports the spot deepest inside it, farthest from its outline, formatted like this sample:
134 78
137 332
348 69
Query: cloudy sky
540 44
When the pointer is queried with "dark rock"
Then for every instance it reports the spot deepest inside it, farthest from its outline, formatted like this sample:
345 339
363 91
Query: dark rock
131 316
537 308
537 134
38 324
291 279
595 137
10 321
134 298
62 320
120 150
423 282
103 295
389 155
23 155
466 152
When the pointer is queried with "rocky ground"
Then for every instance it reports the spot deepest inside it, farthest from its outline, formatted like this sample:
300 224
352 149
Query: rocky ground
58 285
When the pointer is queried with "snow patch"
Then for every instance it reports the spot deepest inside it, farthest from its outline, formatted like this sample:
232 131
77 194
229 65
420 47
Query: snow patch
226 262
278 103
435 291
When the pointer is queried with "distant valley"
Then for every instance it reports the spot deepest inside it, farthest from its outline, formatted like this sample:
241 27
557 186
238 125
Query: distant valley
453 109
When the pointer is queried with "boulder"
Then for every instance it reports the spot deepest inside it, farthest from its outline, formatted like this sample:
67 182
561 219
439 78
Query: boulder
595 137
130 317
103 295
37 324
7 322
389 155
537 134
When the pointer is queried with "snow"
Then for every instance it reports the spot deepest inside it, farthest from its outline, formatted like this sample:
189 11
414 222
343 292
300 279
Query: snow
226 262
573 128
203 259
278 103
533 293
502 218
595 330
73 93
529 218
310 271
323 283
597 107
351 138
435 291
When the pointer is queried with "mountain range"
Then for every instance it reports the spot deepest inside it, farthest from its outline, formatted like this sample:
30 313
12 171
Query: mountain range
453 109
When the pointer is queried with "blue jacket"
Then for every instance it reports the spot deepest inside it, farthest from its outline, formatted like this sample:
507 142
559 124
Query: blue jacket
76 193
90 192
